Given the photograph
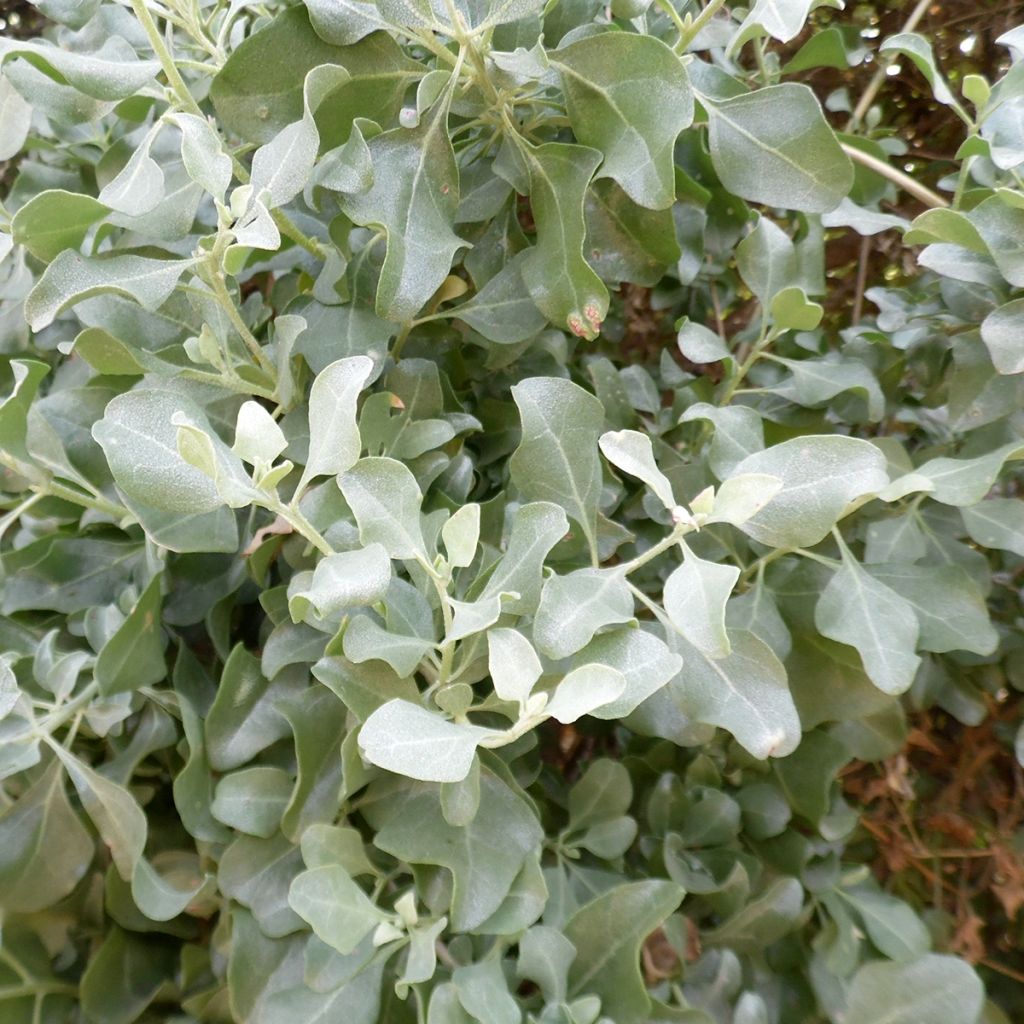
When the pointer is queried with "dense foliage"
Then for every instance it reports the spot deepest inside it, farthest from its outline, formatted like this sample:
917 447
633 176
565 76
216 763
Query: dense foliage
450 556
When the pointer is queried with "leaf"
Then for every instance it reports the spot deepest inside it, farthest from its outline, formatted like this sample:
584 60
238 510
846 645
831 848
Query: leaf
1003 333
695 597
932 988
55 220
245 717
892 926
738 433
461 533
334 442
741 497
484 857
780 19
557 458
584 689
562 284
14 409
608 933
139 186
343 580
253 800
919 50
996 523
139 439
134 655
765 920
966 481
337 910
503 311
856 609
821 476
536 528
629 97
626 241
259 90
72 278
773 146
513 665
641 657
631 451
574 607
117 817
258 438
203 155
413 199
44 848
110 73
950 610
407 739
746 693
385 499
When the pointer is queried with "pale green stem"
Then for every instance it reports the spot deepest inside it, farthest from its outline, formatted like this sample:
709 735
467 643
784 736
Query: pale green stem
16 513
177 83
897 177
447 648
302 526
100 504
220 289
675 537
697 25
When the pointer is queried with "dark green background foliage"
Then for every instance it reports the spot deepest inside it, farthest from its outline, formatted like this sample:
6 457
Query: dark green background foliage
506 508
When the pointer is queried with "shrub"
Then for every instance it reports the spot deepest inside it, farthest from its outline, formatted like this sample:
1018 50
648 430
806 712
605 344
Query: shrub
455 537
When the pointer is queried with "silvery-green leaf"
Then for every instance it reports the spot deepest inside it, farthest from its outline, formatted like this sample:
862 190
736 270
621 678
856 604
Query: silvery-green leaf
334 442
856 609
253 800
949 606
641 657
15 119
139 186
337 910
628 96
283 165
55 220
966 481
258 436
536 528
413 199
460 534
1003 333
746 693
574 607
110 73
821 476
44 848
72 278
932 988
695 597
469 617
513 664
919 50
739 432
407 739
202 154
631 451
561 282
700 345
343 580
742 496
366 640
996 523
385 499
557 459
774 146
584 689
